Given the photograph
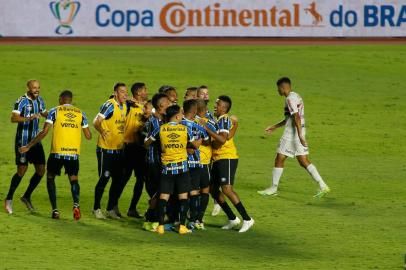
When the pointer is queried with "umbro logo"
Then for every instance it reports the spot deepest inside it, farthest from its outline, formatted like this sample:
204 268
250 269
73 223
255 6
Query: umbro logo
173 136
70 115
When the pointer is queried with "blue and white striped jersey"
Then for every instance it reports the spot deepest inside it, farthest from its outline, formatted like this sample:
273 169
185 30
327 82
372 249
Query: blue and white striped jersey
26 107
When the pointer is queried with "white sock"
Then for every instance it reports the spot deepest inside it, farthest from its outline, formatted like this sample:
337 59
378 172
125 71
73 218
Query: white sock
315 175
276 176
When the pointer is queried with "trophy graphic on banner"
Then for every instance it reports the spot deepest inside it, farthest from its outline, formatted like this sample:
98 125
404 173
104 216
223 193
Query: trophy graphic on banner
65 12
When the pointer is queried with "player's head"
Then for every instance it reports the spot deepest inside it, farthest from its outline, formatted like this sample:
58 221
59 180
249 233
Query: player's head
160 102
172 94
190 108
139 89
201 108
120 92
203 93
191 93
65 97
222 106
33 88
148 108
163 88
173 114
284 86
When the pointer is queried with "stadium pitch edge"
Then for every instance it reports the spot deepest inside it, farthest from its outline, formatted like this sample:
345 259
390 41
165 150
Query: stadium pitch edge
202 41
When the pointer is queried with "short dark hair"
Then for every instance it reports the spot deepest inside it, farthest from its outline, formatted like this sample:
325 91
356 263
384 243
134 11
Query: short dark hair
117 85
136 87
165 88
191 89
157 98
172 111
203 87
66 94
227 100
188 105
283 80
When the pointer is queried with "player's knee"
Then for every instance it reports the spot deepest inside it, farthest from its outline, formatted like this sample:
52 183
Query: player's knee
227 189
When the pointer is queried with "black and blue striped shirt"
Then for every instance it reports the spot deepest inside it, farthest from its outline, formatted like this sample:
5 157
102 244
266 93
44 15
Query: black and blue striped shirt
154 150
26 107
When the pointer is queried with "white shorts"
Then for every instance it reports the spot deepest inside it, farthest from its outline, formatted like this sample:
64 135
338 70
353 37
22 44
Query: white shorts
291 148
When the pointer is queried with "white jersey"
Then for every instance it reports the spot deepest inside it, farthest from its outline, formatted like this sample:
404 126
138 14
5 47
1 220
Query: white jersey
293 104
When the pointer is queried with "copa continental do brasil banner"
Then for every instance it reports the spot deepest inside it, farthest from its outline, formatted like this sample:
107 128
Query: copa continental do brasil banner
202 18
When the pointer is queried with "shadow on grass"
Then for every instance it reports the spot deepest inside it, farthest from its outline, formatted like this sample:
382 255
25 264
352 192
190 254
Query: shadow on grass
127 234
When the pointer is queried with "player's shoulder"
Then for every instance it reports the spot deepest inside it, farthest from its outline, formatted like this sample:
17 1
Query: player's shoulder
40 99
223 118
54 110
22 99
293 95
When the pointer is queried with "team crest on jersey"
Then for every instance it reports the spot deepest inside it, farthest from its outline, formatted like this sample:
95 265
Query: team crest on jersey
173 136
223 180
106 174
23 159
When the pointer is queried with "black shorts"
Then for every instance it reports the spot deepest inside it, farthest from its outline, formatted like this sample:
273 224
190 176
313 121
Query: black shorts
171 182
223 171
109 164
35 155
199 178
134 159
54 165
205 177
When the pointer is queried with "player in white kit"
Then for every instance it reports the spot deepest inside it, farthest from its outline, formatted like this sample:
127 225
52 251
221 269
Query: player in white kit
293 142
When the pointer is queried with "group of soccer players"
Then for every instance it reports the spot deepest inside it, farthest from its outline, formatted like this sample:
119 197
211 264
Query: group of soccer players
181 153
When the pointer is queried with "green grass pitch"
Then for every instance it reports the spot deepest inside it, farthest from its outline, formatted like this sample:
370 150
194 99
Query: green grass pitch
355 110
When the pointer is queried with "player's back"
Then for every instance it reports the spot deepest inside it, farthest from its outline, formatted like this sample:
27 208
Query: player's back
68 122
174 138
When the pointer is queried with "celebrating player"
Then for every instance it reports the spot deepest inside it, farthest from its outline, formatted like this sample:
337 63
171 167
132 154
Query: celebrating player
110 123
293 142
175 173
26 113
195 168
134 152
67 122
191 93
160 103
205 150
225 160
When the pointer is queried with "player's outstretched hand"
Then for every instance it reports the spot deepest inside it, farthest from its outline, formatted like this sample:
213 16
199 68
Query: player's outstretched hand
270 129
23 149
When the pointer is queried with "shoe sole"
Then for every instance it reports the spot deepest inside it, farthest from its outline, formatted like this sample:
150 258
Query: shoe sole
267 194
